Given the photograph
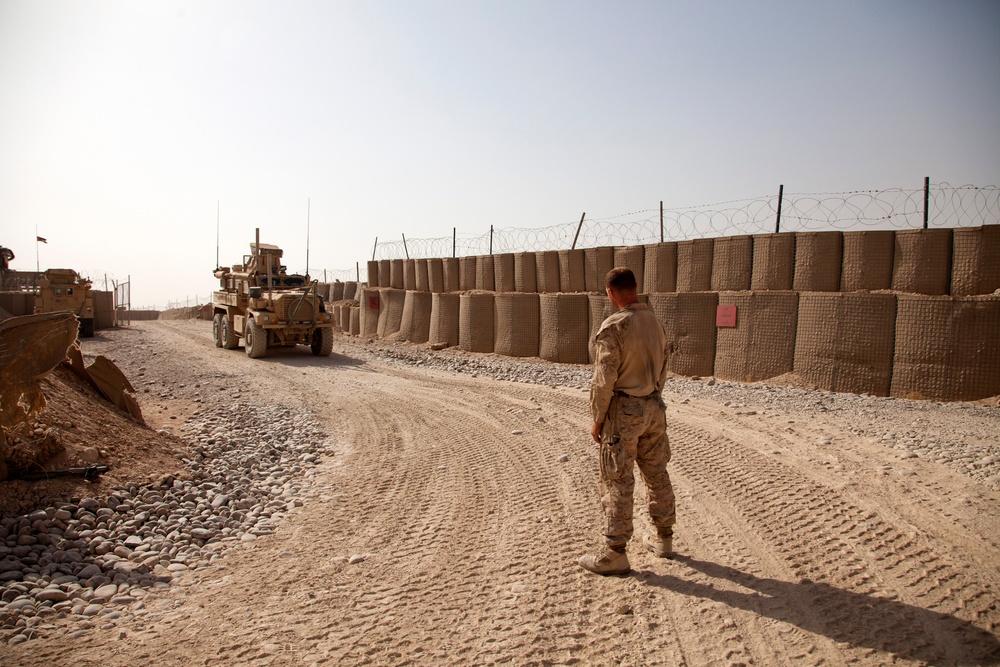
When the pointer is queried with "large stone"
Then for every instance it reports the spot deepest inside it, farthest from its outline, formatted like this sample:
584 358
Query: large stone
107 591
51 595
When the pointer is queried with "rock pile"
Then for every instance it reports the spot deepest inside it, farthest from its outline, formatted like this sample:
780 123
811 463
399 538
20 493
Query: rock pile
89 560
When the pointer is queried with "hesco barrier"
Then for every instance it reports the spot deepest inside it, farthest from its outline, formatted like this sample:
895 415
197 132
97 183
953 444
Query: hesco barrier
409 274
451 274
817 261
976 260
844 341
323 290
337 291
947 348
773 261
599 309
355 320
384 274
104 309
689 318
503 273
337 317
423 282
762 344
371 300
694 265
659 271
485 275
396 268
564 328
475 322
17 303
516 324
571 271
467 273
390 315
373 273
732 263
435 275
415 324
350 290
547 271
921 261
867 261
444 319
525 272
634 257
596 264
139 315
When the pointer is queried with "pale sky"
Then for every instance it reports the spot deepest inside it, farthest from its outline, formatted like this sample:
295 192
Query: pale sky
122 124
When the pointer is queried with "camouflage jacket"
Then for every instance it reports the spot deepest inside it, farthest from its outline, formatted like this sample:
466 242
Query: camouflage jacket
631 353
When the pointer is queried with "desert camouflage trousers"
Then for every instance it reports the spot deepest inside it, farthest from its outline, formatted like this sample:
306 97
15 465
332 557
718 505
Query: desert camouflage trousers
640 425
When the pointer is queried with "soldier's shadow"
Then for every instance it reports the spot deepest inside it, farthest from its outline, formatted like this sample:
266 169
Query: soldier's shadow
904 630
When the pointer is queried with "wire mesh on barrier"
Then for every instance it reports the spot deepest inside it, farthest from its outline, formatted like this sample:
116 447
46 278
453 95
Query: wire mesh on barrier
893 208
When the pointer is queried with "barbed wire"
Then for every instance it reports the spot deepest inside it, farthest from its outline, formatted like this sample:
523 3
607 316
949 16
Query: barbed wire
893 208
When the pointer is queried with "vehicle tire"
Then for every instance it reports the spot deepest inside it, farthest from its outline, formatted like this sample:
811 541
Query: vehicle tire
86 327
229 339
255 340
322 342
217 329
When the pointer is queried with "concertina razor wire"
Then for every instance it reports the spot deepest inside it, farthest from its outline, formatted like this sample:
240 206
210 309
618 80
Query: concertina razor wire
893 208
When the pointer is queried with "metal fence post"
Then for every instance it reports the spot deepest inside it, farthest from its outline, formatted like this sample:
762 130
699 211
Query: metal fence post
777 222
454 240
661 221
491 239
578 228
927 197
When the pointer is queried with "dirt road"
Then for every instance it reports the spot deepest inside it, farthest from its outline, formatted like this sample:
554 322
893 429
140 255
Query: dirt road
464 502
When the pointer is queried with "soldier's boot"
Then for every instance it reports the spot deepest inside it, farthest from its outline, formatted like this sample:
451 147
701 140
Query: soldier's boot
662 547
609 563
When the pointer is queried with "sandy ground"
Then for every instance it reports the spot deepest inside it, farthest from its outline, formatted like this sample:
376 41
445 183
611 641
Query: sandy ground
799 542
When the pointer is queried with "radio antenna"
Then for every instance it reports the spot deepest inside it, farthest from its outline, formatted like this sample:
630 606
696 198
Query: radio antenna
308 207
216 233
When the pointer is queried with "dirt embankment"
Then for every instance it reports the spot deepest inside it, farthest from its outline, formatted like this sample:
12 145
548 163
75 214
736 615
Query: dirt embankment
442 524
189 313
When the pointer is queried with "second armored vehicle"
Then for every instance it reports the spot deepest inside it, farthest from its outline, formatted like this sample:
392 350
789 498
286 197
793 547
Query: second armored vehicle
66 290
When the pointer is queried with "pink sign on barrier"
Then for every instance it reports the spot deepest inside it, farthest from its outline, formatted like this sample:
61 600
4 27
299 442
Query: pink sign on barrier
373 303
725 316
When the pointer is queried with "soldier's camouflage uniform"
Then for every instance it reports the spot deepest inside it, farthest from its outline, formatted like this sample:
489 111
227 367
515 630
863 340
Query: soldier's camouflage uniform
630 367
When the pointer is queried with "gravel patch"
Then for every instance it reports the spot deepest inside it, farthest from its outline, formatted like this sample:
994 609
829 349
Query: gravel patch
71 565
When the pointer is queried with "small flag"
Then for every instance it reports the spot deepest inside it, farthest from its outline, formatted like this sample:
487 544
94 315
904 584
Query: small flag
40 239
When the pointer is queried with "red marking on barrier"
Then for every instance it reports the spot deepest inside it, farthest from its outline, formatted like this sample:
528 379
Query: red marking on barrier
373 303
725 316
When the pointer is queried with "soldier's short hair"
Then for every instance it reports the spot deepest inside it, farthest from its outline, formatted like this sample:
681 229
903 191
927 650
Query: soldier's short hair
620 278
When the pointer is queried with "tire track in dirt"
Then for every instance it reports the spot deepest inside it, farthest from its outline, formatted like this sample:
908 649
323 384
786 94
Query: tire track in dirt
470 535
863 582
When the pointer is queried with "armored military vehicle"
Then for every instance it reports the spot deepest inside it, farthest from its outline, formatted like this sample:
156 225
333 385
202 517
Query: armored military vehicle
65 290
267 307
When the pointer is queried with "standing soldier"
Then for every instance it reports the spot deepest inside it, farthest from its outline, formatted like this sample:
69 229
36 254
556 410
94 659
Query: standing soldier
630 367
